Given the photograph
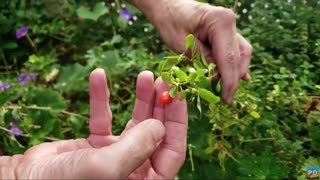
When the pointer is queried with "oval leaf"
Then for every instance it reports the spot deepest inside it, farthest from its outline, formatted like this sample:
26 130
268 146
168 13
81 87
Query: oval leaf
208 96
198 65
192 76
173 91
202 82
183 94
181 75
166 77
190 42
255 114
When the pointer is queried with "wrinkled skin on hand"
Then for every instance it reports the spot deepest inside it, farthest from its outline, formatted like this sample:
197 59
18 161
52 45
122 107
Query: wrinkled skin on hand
215 30
152 146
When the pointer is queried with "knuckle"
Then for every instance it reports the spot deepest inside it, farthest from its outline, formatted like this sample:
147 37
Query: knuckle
232 57
247 51
225 15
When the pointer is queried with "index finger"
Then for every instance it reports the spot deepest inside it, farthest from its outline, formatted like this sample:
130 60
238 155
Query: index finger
222 36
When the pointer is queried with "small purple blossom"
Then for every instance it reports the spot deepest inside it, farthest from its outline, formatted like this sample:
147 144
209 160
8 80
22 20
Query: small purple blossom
126 14
24 77
32 76
15 120
22 32
4 85
15 131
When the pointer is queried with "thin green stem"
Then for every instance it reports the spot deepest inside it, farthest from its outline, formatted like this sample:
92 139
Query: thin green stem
118 5
191 157
4 60
32 43
48 109
235 6
258 139
76 115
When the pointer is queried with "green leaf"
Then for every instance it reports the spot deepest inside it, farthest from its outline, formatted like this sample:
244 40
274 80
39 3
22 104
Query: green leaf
190 42
208 96
8 45
46 98
183 94
99 10
192 76
161 65
201 72
168 64
57 131
210 149
166 77
255 114
262 167
202 81
199 105
211 67
110 59
198 65
76 124
71 78
218 86
181 75
222 157
116 39
203 59
44 121
173 91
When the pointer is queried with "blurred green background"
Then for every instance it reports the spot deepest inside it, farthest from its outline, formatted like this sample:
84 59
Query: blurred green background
271 131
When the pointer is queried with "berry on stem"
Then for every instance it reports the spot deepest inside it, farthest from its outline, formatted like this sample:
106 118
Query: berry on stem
165 98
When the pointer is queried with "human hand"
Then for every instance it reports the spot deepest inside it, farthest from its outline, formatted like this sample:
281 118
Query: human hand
215 30
152 146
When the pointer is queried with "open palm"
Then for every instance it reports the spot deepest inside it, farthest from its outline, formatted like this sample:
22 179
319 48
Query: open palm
152 146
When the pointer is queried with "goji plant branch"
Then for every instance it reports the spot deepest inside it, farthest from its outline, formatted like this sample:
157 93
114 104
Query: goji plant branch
259 139
48 109
32 43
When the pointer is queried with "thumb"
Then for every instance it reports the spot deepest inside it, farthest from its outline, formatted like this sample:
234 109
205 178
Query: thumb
134 147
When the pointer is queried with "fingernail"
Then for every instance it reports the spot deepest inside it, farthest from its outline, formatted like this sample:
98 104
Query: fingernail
249 77
228 100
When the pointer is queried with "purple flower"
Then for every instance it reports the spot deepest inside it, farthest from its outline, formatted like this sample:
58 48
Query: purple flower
126 14
15 131
15 121
32 76
24 77
22 32
4 85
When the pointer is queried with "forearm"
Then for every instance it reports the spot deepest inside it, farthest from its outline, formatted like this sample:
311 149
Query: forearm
152 9
163 12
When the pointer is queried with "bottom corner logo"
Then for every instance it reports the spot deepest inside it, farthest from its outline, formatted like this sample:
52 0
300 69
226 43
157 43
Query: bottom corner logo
312 172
